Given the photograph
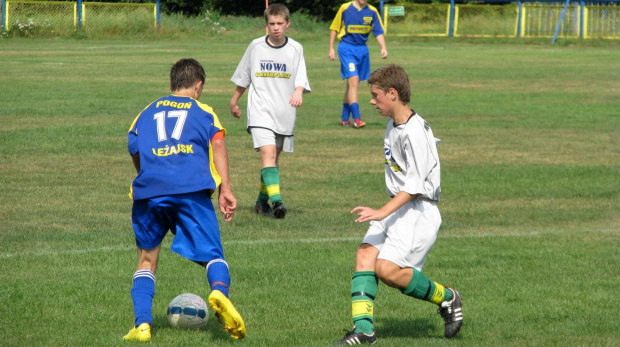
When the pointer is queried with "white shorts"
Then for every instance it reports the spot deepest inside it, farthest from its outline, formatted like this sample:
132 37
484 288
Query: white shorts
406 236
264 137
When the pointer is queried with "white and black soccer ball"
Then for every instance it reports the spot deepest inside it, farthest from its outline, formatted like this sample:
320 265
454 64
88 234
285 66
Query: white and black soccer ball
188 311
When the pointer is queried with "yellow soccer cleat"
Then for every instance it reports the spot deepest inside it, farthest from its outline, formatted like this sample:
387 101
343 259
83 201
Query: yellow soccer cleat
227 315
139 333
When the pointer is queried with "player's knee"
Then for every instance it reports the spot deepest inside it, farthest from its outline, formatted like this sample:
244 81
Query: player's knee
388 273
365 258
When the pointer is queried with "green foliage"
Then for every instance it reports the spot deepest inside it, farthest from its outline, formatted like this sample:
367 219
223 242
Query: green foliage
530 177
323 10
30 28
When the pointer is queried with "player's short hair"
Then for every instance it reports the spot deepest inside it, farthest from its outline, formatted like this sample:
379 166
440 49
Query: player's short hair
392 76
185 73
277 10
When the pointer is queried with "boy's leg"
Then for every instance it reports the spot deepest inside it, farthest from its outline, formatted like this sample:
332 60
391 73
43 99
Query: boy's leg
218 275
448 300
142 293
346 110
349 69
226 313
262 201
406 275
346 114
269 171
363 292
414 283
354 107
364 286
271 177
420 287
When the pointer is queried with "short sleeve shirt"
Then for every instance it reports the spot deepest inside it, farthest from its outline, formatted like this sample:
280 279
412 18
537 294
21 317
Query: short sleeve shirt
411 159
353 25
272 75
172 137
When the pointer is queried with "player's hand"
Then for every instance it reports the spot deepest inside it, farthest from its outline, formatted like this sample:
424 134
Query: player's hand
384 53
228 204
332 54
366 214
296 99
235 111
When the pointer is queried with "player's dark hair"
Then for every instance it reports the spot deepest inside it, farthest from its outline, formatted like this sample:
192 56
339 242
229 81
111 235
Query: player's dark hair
277 10
185 73
392 76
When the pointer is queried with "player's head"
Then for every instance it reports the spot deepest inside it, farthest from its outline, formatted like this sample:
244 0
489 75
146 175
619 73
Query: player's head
276 18
392 77
277 10
185 74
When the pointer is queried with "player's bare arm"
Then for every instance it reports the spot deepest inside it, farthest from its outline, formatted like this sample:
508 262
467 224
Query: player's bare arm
297 98
227 201
234 108
381 41
366 214
332 39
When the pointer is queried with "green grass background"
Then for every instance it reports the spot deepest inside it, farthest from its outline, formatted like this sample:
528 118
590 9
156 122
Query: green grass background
530 158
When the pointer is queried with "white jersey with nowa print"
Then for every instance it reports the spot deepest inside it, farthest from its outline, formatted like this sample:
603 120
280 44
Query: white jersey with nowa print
272 74
411 159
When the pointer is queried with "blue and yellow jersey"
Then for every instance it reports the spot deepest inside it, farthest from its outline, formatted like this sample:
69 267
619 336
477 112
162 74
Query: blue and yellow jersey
353 24
173 138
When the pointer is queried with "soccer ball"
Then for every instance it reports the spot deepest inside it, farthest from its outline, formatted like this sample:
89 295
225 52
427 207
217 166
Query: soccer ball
188 311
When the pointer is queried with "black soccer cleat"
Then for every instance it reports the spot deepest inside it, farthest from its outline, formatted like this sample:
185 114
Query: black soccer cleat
353 338
451 313
279 211
262 207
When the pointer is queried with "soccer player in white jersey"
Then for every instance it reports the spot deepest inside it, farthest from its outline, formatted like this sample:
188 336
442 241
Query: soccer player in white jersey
274 69
403 231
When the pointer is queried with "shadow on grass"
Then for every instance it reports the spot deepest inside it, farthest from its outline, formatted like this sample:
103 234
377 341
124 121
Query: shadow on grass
212 328
401 327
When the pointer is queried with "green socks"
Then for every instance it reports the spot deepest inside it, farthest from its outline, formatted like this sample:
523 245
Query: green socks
364 286
270 179
422 288
262 193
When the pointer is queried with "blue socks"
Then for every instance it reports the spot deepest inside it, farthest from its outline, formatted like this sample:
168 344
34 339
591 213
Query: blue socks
143 289
142 294
355 110
218 275
346 112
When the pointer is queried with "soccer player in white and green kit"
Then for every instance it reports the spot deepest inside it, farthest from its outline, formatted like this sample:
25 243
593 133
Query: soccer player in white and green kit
274 69
403 231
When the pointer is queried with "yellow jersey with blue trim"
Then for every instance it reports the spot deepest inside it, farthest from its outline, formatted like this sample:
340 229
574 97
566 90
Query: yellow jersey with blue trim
172 136
353 24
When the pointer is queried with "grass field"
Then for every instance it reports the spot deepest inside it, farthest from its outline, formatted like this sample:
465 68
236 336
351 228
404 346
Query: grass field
530 158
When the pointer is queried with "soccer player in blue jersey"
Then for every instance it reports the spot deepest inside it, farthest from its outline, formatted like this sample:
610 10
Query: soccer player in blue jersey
177 147
354 21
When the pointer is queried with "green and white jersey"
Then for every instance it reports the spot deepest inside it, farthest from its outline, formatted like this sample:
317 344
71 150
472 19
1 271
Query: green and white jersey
272 74
411 159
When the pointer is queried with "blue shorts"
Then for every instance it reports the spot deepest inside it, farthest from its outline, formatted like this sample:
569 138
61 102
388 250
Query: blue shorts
190 217
354 61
